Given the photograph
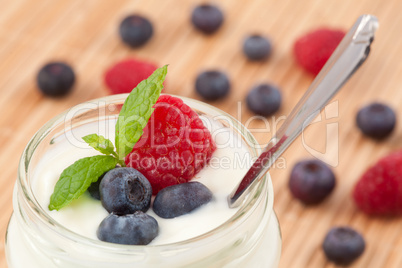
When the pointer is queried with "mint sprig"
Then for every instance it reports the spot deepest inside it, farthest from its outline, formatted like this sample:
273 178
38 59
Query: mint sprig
133 117
100 143
75 179
137 110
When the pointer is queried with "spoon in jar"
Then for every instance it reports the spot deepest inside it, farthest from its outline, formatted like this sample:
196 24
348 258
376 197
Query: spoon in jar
344 61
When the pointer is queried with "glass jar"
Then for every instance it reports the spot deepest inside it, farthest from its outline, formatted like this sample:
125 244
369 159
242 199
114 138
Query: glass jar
251 238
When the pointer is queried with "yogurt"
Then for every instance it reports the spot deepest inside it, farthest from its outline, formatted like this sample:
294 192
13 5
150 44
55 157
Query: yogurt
83 216
211 236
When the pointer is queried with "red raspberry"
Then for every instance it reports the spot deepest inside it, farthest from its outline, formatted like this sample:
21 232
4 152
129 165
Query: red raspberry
174 147
313 49
379 191
125 75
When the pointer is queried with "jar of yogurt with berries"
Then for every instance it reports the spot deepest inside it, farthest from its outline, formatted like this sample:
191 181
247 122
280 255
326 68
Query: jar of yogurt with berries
212 235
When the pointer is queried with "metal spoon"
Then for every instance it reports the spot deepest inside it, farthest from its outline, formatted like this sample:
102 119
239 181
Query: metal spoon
346 59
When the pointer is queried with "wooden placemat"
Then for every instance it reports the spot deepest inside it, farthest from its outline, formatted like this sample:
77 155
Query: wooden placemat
84 33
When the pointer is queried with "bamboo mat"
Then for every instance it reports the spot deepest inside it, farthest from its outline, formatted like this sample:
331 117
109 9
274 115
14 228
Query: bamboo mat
84 33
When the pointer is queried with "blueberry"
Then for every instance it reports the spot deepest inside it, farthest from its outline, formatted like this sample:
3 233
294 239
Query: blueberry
376 120
132 229
55 79
264 99
180 199
212 85
93 189
135 30
207 18
311 181
343 245
124 191
257 47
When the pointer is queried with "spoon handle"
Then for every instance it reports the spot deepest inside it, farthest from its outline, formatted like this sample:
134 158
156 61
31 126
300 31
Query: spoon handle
345 60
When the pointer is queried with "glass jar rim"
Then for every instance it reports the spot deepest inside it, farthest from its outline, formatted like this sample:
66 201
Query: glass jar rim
41 215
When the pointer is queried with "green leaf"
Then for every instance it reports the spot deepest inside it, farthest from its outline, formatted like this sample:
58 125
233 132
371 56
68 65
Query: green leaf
137 110
99 143
76 179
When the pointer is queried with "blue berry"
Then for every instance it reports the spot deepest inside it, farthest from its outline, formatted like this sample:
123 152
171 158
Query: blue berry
124 191
132 229
135 30
343 245
93 189
55 79
264 99
180 199
212 85
207 18
257 47
376 120
311 181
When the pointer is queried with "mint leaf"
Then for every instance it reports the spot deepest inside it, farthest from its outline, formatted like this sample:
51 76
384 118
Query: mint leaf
137 110
99 143
133 117
75 179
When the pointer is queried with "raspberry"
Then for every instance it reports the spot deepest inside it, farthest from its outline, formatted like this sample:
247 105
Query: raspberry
313 49
125 75
174 147
379 190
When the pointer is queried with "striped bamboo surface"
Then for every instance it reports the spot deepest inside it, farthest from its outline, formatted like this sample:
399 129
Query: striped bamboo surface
84 33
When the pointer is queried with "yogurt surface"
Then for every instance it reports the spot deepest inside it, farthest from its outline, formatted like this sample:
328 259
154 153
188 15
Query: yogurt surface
229 163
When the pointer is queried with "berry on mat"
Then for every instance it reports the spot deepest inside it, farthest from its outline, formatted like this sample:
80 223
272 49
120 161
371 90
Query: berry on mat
264 99
311 181
125 191
257 47
132 229
343 245
55 79
313 49
212 85
180 199
207 18
376 120
135 30
379 190
174 147
127 74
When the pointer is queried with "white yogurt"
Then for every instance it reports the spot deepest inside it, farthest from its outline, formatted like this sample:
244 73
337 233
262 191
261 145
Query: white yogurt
251 239
84 215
